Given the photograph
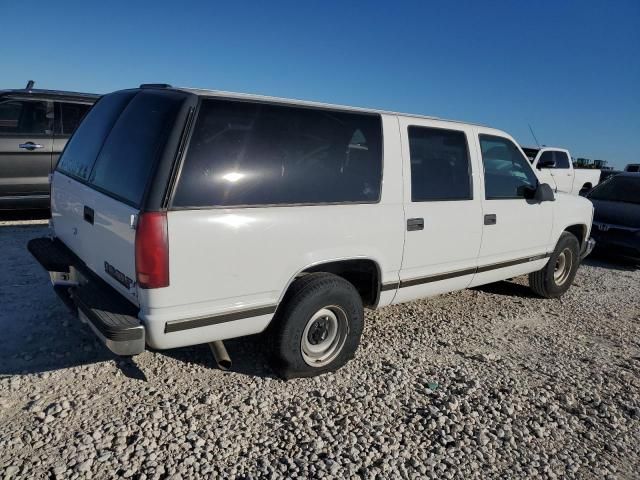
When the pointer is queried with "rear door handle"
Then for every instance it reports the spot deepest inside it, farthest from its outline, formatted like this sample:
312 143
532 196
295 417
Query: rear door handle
88 214
490 219
30 146
415 224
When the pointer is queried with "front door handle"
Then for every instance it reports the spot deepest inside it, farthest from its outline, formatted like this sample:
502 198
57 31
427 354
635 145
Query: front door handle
88 214
415 224
30 146
490 219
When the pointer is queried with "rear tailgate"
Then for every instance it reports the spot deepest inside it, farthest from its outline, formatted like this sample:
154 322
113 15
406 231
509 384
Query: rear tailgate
103 175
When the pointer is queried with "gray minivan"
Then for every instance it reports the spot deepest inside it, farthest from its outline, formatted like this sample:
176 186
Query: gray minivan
34 128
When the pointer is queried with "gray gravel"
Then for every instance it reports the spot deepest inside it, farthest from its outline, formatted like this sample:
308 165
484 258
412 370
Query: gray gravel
482 383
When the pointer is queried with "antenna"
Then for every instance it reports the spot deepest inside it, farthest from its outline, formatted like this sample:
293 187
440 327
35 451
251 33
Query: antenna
534 135
30 85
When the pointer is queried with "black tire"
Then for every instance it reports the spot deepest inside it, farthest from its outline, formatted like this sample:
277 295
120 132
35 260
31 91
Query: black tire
310 297
548 282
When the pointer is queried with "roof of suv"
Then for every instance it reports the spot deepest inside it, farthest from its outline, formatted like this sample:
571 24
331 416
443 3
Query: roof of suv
288 101
50 95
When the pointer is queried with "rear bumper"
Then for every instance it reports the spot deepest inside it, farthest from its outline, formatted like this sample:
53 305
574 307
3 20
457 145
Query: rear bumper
587 248
111 316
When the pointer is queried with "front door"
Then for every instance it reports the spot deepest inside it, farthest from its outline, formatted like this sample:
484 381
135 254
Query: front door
517 229
25 147
443 213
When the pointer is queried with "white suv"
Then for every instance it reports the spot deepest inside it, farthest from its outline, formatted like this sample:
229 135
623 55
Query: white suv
184 216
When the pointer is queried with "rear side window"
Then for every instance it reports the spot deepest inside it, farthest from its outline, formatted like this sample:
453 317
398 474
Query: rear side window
251 154
507 173
68 117
134 144
83 147
439 165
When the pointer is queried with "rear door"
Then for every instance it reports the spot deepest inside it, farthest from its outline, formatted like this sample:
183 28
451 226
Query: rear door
443 214
97 206
25 147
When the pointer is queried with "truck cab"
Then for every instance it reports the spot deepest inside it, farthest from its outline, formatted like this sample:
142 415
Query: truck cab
555 167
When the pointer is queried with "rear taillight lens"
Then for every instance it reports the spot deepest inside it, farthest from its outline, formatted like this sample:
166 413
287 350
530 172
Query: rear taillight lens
152 250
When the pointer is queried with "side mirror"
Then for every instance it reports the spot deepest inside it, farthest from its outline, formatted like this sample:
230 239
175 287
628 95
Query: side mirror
546 163
544 193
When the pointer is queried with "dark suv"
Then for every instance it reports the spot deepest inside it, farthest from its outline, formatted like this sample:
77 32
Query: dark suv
34 128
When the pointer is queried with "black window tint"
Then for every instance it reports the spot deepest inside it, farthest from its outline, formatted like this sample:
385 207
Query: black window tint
620 188
25 117
439 165
134 144
562 160
245 153
507 173
82 148
69 117
546 157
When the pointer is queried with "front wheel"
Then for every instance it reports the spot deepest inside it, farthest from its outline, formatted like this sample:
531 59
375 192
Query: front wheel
318 326
555 278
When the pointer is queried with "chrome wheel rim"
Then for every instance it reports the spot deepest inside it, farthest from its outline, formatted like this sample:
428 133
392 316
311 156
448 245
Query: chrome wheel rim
324 336
562 270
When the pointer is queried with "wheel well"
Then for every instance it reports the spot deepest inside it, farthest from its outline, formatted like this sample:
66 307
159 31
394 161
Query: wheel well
363 274
579 231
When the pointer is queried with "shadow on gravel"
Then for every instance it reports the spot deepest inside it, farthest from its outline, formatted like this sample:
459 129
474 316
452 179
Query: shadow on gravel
248 356
46 341
21 215
602 260
508 289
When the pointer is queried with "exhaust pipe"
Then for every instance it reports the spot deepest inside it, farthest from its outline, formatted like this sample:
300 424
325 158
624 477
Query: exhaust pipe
220 355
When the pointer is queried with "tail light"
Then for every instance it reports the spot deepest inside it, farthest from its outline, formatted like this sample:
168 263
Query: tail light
152 250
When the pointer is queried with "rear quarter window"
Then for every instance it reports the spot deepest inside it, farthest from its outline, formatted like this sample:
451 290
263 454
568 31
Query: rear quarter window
251 154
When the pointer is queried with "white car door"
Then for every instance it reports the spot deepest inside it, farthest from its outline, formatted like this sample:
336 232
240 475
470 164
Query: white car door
442 208
562 172
517 229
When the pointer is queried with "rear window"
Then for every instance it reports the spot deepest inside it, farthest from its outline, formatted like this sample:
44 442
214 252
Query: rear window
118 143
83 147
134 145
252 154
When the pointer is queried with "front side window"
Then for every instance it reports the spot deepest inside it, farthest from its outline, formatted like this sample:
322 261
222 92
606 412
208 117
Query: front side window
439 164
562 160
25 117
507 173
250 154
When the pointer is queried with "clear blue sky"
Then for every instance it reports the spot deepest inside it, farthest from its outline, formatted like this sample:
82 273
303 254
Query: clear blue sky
571 69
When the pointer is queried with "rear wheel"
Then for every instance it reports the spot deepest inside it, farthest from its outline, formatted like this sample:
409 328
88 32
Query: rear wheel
555 278
318 326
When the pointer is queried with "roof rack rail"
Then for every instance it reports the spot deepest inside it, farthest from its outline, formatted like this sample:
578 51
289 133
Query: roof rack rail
155 85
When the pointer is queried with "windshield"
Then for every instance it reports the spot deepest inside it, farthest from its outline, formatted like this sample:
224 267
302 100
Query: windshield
618 189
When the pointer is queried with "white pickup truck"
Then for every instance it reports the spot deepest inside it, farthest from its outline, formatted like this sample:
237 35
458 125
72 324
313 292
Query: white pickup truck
555 168
183 216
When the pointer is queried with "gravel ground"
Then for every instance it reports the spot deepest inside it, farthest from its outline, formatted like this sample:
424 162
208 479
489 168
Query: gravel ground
490 382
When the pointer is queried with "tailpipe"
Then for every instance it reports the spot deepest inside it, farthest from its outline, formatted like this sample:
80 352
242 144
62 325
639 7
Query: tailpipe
220 355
